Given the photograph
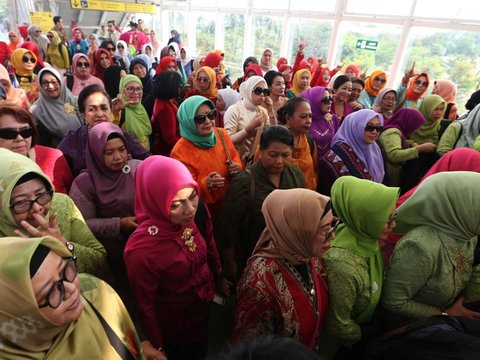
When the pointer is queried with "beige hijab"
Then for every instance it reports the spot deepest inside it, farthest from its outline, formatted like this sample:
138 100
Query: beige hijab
292 218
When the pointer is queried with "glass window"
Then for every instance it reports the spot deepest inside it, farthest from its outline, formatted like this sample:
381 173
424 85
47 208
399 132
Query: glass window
176 21
204 3
443 54
237 4
374 7
270 4
234 29
266 33
371 46
316 34
205 31
458 9
308 5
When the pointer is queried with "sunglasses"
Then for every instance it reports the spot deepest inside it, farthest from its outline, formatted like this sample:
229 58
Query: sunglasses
27 59
203 79
377 79
110 48
119 47
421 83
327 99
372 128
11 134
259 91
50 36
200 119
83 64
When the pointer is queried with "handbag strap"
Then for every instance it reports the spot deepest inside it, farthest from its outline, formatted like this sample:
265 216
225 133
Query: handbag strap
318 299
225 147
117 344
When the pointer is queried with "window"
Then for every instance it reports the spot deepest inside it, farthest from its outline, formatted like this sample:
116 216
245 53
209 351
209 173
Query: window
315 33
205 31
266 33
234 35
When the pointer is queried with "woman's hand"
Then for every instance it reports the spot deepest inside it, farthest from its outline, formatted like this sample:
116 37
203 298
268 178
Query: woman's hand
215 180
128 224
45 228
409 73
233 167
426 147
151 353
258 120
457 309
356 105
376 108
118 104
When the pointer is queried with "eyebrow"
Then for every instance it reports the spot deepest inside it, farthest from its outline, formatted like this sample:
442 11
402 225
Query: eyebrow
183 200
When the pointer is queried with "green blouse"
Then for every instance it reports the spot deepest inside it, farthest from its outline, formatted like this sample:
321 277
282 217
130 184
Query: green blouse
449 138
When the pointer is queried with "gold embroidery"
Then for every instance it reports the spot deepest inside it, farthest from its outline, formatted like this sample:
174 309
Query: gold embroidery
69 109
188 239
461 261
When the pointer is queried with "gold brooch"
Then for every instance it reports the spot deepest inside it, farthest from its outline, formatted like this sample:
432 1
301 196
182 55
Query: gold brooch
188 239
461 261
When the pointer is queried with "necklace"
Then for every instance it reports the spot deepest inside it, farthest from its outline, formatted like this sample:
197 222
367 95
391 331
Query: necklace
188 239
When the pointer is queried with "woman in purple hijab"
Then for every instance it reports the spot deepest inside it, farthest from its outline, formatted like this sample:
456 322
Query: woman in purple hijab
324 124
104 192
354 151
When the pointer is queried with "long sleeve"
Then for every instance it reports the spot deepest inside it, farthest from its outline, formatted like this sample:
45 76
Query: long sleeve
233 125
65 57
449 139
298 58
392 144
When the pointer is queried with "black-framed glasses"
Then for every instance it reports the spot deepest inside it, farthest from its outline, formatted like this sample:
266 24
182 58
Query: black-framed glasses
83 64
50 36
200 119
24 206
333 226
110 49
392 218
259 91
421 83
132 90
46 83
380 80
327 99
27 59
56 294
372 128
10 134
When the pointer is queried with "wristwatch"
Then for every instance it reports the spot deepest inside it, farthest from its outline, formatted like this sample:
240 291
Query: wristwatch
70 247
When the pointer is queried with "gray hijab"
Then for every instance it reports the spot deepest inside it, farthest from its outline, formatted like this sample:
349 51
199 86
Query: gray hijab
470 129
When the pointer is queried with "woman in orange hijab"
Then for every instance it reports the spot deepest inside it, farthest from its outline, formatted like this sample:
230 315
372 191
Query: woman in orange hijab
375 82
14 41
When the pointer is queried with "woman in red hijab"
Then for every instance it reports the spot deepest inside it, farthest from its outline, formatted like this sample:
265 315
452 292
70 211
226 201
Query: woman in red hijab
103 60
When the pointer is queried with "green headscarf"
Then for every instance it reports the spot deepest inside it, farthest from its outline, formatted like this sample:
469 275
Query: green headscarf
28 333
12 167
448 202
363 206
428 132
188 128
137 120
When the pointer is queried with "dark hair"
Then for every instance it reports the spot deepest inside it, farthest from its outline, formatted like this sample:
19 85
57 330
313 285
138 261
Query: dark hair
111 22
251 59
105 44
90 90
56 19
276 133
167 84
38 258
133 24
358 81
473 101
271 75
114 135
269 348
289 108
32 176
340 80
23 116
112 73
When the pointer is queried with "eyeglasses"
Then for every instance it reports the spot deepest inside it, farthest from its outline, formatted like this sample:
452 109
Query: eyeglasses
380 80
203 79
392 218
421 83
390 98
333 226
25 206
27 59
10 134
12 36
50 36
38 31
327 99
133 90
200 119
372 128
56 294
259 91
45 83
110 48
120 47
83 64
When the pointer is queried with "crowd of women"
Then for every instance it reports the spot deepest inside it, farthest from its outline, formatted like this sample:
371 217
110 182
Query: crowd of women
151 209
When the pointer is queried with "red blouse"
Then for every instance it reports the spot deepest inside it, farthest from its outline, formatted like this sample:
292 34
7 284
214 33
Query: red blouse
166 132
54 164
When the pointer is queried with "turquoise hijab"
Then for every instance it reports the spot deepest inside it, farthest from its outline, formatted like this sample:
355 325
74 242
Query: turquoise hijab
188 128
363 206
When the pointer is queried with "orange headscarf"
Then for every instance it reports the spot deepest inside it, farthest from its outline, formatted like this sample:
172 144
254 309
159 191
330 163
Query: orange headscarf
296 89
212 91
410 94
369 81
13 44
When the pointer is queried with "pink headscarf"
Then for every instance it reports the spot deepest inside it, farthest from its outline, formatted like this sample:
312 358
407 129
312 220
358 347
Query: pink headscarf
447 90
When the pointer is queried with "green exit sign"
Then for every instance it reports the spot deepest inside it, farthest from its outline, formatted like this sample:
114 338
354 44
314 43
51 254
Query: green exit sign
367 45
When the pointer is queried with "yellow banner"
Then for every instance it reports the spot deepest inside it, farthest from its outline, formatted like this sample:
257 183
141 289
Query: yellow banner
113 6
43 19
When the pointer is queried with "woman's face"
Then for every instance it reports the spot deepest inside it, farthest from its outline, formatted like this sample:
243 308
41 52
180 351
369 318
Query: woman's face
171 66
323 236
278 86
287 75
54 268
148 50
184 206
356 91
51 85
420 84
115 155
183 54
438 112
372 130
267 57
28 61
34 189
342 94
350 73
259 99
326 76
388 101
140 71
304 81
97 109
92 39
133 91
206 127
120 48
77 34
389 225
104 61
51 38
19 144
301 119
379 82
276 157
326 102
220 103
203 81
83 67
